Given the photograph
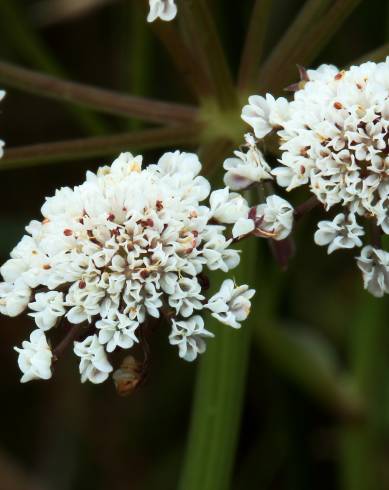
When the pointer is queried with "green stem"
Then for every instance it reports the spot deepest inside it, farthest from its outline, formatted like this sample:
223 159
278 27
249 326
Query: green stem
202 33
324 30
218 400
138 62
378 54
99 99
31 48
50 153
254 44
182 57
281 54
361 451
311 43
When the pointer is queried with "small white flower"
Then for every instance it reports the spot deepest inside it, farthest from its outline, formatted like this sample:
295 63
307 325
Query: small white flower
242 227
173 163
246 168
119 332
342 232
14 297
274 217
84 301
374 264
264 114
48 307
227 207
189 336
186 297
125 164
35 357
231 304
94 365
217 255
12 269
164 9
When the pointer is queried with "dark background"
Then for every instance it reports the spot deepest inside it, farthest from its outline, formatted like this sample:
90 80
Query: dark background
63 435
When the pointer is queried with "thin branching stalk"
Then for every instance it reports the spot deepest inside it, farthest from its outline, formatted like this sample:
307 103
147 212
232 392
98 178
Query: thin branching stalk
281 55
254 44
322 32
306 206
73 333
99 99
378 54
182 57
314 40
97 146
202 32
137 65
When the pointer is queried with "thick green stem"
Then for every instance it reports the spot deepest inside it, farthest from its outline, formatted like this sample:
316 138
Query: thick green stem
49 153
362 445
99 99
218 399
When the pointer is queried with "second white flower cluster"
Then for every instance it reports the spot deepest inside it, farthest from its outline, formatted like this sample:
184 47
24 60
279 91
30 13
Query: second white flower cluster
125 247
333 138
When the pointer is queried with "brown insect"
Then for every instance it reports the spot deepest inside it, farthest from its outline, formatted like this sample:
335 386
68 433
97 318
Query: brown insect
128 377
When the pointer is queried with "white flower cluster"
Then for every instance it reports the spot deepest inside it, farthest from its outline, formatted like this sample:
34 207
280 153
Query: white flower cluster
125 246
162 9
334 138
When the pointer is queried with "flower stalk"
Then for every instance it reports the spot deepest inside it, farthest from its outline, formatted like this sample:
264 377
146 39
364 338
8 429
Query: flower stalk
187 65
97 146
280 55
361 459
218 400
103 100
201 31
254 45
312 38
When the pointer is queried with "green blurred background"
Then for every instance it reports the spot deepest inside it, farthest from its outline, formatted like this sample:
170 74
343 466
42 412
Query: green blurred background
304 426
